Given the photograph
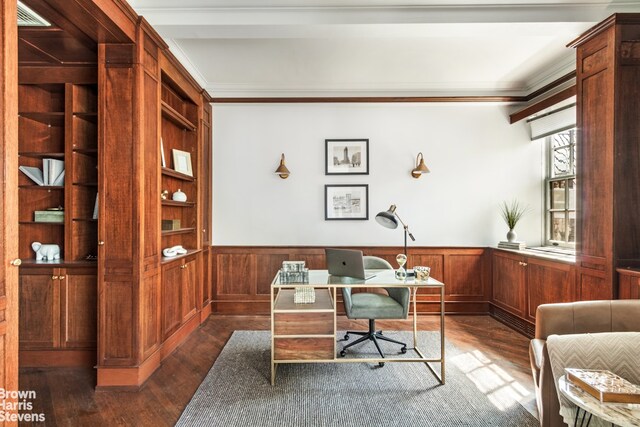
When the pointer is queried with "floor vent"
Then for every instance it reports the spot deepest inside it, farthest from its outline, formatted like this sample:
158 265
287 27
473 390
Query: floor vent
28 18
513 322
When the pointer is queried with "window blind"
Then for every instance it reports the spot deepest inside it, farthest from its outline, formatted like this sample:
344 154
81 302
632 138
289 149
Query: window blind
556 121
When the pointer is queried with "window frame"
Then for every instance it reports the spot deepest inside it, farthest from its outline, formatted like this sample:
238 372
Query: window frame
549 179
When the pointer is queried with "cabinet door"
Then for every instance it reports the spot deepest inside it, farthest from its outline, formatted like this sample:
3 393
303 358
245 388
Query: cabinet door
509 282
189 289
549 282
628 285
79 309
39 309
171 304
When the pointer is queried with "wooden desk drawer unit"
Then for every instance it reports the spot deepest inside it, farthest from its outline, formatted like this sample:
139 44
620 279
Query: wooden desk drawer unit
304 348
303 323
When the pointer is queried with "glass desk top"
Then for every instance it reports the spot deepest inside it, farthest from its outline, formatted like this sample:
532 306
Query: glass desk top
381 278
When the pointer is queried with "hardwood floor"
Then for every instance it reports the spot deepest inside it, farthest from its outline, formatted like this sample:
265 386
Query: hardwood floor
67 396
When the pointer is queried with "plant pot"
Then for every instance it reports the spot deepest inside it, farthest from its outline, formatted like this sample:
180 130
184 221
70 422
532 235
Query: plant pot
511 236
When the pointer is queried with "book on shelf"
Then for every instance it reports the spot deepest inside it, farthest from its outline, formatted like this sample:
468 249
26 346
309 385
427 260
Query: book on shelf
604 385
34 174
512 245
52 172
53 168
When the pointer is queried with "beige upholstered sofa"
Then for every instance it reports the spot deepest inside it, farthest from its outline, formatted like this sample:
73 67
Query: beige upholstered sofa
572 318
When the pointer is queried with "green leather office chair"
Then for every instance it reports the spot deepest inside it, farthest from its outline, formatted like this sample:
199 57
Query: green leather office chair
370 306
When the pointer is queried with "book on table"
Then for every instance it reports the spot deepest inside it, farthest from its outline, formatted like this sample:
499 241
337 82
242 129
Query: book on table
604 385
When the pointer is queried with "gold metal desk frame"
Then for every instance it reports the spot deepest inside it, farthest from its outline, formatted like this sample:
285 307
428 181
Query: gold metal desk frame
294 340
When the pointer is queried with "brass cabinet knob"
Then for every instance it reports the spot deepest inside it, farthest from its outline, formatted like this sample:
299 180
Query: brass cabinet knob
16 262
101 243
62 277
55 277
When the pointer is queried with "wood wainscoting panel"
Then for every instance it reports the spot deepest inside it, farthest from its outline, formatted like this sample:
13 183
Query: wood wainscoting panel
236 274
242 275
267 265
150 313
468 276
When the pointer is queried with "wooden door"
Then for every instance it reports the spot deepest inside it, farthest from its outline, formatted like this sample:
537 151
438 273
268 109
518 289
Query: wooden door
189 289
171 304
40 309
509 282
79 311
8 197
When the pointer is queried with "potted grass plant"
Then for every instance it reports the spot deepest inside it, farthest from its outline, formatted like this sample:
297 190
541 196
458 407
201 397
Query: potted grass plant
512 213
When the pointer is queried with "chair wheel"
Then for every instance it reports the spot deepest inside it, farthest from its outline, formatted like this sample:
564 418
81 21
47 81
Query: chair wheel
346 337
403 350
381 364
342 353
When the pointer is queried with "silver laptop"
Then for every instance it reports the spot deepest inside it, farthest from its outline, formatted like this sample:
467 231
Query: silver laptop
346 262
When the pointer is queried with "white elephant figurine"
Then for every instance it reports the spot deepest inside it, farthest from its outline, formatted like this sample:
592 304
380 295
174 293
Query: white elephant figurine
48 252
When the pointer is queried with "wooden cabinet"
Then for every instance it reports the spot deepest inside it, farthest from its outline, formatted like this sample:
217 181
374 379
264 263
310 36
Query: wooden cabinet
58 312
180 283
521 283
509 282
608 163
548 282
629 283
172 278
58 306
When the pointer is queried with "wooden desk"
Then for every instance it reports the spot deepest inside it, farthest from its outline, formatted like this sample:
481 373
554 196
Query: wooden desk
306 333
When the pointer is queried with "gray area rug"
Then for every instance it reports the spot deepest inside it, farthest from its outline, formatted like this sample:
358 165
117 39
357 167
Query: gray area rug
237 391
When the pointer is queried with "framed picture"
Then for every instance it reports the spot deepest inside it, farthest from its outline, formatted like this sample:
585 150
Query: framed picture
346 157
164 162
182 162
346 202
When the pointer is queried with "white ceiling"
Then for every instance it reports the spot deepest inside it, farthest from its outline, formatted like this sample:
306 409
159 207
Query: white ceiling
266 48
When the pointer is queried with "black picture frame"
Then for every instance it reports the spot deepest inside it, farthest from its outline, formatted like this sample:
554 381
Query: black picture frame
363 215
335 166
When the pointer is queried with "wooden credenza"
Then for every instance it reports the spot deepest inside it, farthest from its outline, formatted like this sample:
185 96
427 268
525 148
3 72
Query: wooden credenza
522 282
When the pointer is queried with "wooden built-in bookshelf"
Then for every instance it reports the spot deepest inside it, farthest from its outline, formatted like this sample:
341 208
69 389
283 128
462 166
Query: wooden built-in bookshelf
59 121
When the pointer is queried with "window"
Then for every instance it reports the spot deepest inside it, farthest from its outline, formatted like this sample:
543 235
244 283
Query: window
561 189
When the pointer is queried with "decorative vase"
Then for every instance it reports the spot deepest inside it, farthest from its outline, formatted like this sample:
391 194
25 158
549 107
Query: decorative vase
511 236
179 196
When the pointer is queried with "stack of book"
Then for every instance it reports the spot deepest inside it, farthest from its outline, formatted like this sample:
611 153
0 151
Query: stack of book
51 174
604 385
512 245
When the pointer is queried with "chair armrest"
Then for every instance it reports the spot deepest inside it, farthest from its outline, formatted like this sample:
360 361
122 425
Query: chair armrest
401 296
348 303
536 355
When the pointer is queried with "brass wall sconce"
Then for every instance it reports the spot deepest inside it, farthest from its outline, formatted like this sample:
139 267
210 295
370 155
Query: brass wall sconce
420 167
282 170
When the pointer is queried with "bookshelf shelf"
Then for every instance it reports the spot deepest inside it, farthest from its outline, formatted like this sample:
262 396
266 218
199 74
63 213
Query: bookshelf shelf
40 155
178 204
172 173
41 187
54 118
174 116
180 231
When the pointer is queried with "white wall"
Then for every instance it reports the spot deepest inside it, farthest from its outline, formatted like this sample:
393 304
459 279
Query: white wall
476 159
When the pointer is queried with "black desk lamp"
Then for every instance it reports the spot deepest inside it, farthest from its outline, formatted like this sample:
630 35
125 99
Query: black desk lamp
389 219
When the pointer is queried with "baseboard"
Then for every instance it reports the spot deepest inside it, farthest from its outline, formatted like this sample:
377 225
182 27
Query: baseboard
132 378
516 323
57 358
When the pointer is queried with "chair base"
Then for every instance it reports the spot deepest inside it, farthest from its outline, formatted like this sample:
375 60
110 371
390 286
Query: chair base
372 335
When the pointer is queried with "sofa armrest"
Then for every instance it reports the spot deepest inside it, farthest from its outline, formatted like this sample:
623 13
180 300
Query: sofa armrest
536 355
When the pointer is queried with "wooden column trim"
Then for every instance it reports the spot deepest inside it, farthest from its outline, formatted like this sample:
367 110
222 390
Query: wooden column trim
9 194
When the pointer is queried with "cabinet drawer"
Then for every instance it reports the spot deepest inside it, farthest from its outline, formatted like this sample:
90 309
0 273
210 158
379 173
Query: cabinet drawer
303 323
304 348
